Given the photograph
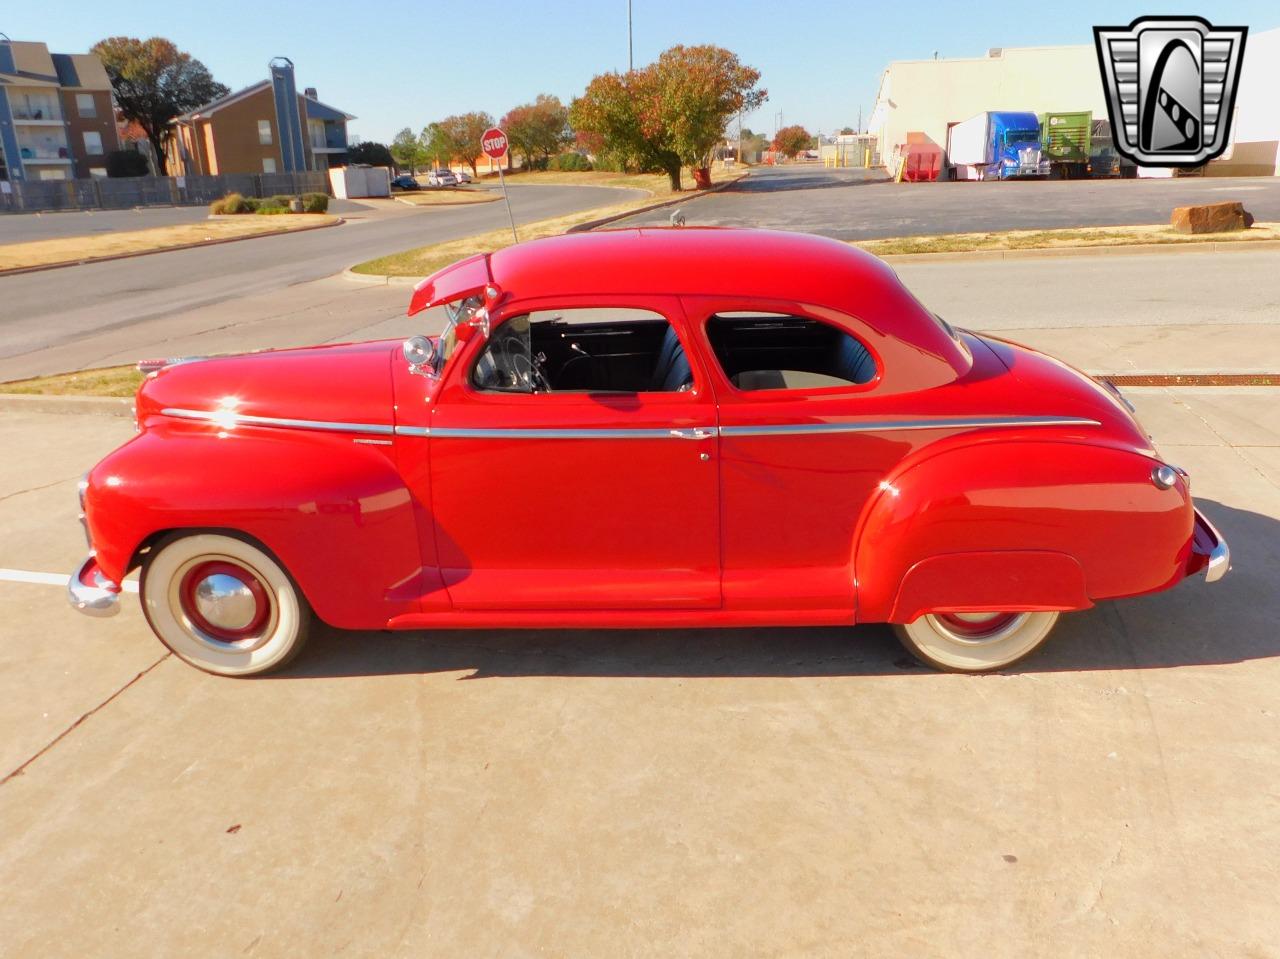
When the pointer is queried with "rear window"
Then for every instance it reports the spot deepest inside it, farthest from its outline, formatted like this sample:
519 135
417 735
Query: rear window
776 351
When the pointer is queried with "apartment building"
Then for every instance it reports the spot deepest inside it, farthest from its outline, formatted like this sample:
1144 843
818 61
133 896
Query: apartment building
57 119
267 127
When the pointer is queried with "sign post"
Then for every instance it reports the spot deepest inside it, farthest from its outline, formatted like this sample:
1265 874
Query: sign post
493 143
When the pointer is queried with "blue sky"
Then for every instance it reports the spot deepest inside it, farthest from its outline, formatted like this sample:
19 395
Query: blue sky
820 61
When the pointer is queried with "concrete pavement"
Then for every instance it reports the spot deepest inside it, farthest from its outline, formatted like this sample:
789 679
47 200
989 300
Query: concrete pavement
861 205
41 313
728 792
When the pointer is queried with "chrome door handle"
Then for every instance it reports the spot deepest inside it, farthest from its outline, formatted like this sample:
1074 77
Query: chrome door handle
696 433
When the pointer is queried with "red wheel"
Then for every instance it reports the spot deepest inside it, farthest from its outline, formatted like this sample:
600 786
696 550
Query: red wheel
974 642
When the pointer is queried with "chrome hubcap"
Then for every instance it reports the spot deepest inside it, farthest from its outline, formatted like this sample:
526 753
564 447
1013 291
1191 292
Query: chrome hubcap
225 602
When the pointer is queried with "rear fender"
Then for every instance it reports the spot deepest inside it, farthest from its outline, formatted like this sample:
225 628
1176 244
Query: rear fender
1018 525
335 513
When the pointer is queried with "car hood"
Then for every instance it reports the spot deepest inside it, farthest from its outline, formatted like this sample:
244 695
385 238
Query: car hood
343 383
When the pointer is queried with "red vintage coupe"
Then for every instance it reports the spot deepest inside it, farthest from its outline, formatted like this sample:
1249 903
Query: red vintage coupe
639 428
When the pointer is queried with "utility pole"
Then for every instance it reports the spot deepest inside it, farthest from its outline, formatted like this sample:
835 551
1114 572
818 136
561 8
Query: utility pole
631 60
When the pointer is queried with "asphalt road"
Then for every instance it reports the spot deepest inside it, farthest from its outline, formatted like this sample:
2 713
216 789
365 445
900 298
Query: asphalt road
42 310
860 205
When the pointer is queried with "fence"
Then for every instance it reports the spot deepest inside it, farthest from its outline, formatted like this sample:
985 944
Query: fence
99 193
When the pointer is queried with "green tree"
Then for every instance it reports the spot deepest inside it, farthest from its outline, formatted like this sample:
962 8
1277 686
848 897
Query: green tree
846 131
154 82
436 147
671 113
461 134
372 153
538 129
793 140
407 151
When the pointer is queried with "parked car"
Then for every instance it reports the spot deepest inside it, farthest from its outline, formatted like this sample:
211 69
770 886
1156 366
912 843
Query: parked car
639 428
405 182
463 176
442 178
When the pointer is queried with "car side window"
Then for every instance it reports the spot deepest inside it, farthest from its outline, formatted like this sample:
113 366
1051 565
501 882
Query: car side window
780 351
595 350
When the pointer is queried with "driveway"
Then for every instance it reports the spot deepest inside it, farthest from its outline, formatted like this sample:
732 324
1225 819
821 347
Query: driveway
764 792
862 205
43 313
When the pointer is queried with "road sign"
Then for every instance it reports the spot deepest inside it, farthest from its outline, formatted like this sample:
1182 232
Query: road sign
494 143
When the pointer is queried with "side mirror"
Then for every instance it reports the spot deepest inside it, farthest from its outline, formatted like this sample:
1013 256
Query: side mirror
419 353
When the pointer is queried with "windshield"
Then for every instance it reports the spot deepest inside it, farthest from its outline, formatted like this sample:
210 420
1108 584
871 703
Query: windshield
1022 136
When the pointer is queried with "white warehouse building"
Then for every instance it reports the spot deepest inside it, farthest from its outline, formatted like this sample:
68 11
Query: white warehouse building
926 96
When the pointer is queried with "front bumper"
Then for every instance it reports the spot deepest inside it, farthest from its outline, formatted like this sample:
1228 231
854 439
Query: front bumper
1209 551
89 590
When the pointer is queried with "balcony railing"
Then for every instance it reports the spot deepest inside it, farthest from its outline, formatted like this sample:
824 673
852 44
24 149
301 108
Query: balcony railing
24 109
44 153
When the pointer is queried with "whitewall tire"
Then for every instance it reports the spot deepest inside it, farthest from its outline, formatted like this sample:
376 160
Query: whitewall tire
223 605
974 642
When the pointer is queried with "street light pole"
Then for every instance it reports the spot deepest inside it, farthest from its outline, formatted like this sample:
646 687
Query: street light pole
631 62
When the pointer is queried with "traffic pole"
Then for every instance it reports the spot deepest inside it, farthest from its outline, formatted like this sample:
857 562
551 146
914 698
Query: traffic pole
506 199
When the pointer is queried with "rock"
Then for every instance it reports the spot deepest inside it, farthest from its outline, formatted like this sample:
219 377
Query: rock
1212 218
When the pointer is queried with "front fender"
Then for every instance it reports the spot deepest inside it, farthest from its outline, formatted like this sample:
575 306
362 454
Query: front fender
335 513
1035 512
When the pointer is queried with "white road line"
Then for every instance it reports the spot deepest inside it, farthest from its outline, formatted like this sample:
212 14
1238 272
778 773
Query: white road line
48 579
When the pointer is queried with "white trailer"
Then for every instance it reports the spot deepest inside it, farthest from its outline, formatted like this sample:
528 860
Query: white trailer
969 147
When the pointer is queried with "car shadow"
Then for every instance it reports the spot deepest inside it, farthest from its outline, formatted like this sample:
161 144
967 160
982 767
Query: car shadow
1194 624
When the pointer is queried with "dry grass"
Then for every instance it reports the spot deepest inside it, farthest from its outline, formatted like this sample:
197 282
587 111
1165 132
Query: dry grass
655 183
1058 239
425 260
110 381
75 249
446 196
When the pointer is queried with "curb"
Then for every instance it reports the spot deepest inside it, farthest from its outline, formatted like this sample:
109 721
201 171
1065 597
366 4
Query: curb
37 403
379 279
1131 249
603 221
168 249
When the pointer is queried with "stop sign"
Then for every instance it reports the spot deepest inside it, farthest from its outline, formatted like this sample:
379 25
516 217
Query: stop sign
494 143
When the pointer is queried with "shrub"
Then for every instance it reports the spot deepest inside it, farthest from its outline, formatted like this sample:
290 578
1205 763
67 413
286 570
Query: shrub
315 202
232 203
571 162
271 210
126 163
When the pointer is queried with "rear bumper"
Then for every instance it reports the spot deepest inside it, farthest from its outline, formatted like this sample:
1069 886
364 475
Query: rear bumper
89 591
1209 551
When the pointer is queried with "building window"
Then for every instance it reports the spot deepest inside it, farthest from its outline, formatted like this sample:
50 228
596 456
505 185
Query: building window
85 105
264 132
269 165
93 143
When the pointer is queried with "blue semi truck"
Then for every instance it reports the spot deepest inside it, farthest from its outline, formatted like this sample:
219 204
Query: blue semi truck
996 145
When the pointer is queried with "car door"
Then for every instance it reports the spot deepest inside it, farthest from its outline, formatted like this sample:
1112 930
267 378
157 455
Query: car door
791 382
581 498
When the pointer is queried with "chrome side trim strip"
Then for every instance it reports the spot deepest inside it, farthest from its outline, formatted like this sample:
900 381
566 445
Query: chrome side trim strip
460 433
413 431
231 419
885 426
